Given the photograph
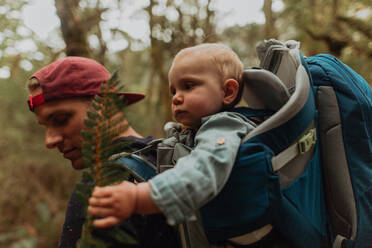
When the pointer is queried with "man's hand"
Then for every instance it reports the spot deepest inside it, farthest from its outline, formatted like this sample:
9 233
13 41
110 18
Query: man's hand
118 202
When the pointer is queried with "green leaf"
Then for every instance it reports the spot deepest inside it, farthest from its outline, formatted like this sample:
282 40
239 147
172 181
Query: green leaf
104 125
84 188
92 115
119 236
105 155
87 149
121 103
124 237
108 113
103 89
92 242
87 177
88 136
111 171
90 123
120 88
98 99
87 161
96 106
116 178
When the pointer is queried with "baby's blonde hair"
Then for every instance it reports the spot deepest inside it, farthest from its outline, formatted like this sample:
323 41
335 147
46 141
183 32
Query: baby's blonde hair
227 61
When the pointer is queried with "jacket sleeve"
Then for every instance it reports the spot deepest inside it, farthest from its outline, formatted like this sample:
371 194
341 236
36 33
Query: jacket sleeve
200 176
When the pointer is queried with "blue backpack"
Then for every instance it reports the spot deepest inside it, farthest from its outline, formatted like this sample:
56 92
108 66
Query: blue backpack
344 104
306 169
315 151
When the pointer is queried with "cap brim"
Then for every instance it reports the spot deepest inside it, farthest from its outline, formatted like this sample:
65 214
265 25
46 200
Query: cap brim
131 98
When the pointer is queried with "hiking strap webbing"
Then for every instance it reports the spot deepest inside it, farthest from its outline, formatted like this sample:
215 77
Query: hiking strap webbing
337 243
338 186
185 243
252 237
149 147
300 147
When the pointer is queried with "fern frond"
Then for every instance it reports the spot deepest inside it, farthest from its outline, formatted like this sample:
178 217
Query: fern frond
104 123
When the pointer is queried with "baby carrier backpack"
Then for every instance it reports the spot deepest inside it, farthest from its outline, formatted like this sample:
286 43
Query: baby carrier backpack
340 168
306 169
343 102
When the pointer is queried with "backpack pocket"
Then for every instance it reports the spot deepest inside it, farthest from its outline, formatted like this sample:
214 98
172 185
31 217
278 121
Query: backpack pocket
302 205
242 205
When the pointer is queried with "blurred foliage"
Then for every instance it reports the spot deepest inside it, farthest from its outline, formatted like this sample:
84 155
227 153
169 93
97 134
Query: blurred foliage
35 183
173 25
340 27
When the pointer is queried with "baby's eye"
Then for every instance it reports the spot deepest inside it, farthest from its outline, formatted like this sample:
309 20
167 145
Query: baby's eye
189 85
172 91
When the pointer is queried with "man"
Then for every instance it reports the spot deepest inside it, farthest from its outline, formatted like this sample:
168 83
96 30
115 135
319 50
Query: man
60 95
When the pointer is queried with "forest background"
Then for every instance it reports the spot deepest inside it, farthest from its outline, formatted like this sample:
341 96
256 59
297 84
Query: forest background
35 183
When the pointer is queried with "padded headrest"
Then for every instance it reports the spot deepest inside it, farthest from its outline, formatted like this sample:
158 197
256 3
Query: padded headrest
283 85
264 90
295 103
282 59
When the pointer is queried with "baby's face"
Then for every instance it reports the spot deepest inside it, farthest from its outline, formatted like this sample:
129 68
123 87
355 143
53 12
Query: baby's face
196 87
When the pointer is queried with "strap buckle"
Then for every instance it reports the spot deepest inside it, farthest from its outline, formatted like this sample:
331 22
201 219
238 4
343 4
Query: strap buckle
35 101
307 141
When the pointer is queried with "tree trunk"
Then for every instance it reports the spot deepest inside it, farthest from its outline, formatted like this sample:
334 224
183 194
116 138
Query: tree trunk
270 29
73 30
160 79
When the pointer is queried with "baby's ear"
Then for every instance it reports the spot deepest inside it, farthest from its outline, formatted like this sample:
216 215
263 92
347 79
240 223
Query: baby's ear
231 89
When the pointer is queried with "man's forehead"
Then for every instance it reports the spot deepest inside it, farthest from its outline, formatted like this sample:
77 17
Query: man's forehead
48 109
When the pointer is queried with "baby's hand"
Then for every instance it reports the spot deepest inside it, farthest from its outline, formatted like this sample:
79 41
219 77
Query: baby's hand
114 203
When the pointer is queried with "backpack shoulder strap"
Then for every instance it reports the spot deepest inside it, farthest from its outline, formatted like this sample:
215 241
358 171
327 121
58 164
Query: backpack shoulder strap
136 162
139 168
292 124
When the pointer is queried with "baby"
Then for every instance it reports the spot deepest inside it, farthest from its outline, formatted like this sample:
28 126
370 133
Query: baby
204 82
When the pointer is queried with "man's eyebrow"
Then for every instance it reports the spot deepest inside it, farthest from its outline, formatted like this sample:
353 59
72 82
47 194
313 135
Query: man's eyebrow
51 115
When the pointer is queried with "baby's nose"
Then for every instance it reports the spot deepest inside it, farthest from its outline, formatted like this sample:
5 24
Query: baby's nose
177 99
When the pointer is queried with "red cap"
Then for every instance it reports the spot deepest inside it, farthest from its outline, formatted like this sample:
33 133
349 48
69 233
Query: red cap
73 77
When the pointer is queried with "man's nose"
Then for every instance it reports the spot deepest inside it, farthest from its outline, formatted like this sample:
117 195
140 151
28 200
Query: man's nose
177 99
52 138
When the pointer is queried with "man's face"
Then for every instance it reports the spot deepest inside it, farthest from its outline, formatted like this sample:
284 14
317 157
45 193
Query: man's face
196 87
64 119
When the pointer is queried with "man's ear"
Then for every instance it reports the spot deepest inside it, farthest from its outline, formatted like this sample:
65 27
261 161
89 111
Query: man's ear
231 89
